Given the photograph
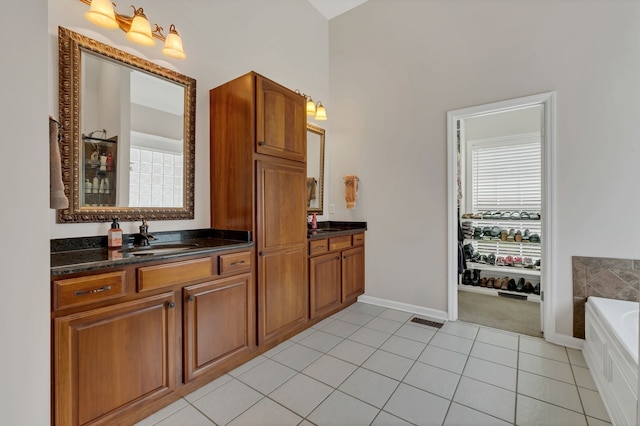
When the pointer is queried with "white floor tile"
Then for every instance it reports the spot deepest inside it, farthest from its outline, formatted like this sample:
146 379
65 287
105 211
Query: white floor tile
417 406
384 325
443 358
532 412
544 349
495 354
388 364
330 370
432 379
395 315
302 334
497 338
187 416
596 422
276 350
342 409
576 357
452 343
593 405
418 333
369 337
487 398
163 413
227 402
403 347
267 376
546 367
305 423
583 377
301 394
386 419
356 318
297 356
249 365
459 415
370 387
366 308
209 387
460 329
492 373
320 341
340 328
321 324
353 352
549 390
266 413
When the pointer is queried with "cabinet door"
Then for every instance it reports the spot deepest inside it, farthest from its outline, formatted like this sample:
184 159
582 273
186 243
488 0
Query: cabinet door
217 322
111 359
324 285
352 273
281 205
282 292
281 121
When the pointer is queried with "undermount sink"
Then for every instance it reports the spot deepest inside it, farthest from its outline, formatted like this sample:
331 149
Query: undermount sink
157 249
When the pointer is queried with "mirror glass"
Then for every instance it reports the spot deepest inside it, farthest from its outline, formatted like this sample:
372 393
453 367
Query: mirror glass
128 135
315 169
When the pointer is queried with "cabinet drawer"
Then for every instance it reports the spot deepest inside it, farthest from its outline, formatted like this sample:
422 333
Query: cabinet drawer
358 239
83 290
154 277
235 262
318 246
338 243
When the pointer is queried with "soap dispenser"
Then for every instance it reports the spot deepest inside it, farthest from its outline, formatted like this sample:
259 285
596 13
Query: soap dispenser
314 221
114 235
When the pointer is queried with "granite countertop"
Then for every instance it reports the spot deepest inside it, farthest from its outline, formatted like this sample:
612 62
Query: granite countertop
334 228
71 255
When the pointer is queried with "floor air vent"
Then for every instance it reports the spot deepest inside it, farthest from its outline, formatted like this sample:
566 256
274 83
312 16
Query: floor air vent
512 296
427 322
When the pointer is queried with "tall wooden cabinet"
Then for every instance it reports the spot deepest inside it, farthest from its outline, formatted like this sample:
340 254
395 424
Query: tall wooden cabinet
258 184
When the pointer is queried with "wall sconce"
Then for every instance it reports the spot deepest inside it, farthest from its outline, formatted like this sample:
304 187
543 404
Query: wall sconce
315 109
137 27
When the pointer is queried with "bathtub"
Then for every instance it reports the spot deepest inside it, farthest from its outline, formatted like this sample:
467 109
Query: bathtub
611 352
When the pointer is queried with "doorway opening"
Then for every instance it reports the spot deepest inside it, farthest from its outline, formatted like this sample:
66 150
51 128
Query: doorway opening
500 214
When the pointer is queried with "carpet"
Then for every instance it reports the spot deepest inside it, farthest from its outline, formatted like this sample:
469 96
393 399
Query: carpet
518 316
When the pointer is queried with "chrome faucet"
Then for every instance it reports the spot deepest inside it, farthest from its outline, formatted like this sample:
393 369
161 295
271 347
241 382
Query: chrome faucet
145 237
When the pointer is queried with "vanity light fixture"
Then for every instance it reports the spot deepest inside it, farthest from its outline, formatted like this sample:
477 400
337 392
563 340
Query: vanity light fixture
315 109
137 27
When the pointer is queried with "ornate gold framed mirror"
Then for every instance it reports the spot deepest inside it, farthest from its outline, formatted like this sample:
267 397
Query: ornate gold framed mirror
315 169
128 136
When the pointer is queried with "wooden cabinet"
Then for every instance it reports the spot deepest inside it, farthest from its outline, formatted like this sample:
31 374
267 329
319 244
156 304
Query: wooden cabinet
95 381
336 273
216 322
258 183
130 340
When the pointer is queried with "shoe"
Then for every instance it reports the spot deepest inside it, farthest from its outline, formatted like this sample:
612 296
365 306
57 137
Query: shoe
491 282
537 265
495 231
534 216
534 238
499 261
528 287
515 216
520 285
536 289
468 251
524 215
512 235
483 282
477 233
466 277
503 234
506 215
491 259
504 283
526 235
517 262
527 262
508 261
518 236
475 281
512 285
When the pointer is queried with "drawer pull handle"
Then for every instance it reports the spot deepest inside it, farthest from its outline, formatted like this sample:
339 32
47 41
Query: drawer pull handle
172 304
240 262
95 290
319 246
191 298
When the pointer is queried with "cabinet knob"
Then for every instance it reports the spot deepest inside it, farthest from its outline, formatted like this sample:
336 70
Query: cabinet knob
192 298
172 304
337 257
261 143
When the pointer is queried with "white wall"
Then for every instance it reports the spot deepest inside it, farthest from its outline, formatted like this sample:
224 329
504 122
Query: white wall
24 253
398 67
284 40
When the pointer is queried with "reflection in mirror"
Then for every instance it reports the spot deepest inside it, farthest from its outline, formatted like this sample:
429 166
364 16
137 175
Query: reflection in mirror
315 169
128 140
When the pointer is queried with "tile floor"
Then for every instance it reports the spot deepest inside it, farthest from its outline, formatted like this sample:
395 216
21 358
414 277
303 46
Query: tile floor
368 365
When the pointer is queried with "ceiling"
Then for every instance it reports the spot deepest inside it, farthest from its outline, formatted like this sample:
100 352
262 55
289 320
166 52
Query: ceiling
333 8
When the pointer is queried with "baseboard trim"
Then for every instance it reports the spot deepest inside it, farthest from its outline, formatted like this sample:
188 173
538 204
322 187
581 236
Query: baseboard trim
564 340
432 314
